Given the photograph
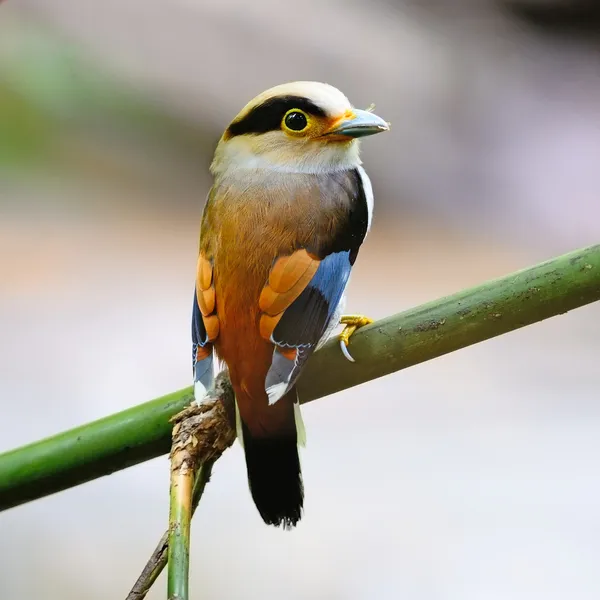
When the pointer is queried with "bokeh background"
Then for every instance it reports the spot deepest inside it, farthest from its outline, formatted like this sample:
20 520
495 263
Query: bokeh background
471 477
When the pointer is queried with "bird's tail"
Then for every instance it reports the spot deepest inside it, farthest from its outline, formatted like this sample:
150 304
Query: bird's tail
274 472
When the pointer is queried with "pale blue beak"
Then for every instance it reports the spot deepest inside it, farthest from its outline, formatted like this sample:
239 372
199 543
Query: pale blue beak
364 123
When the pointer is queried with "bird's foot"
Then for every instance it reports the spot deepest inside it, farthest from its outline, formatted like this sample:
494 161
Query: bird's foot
352 323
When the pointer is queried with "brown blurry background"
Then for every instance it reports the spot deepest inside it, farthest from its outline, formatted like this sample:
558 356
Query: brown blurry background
474 476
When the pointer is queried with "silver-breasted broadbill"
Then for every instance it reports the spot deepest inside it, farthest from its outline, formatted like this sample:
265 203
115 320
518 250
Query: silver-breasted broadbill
288 211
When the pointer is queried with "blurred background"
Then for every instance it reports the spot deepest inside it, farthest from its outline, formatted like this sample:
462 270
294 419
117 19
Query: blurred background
473 476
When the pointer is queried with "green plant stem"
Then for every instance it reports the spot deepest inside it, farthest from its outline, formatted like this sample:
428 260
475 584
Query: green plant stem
201 433
394 343
158 561
180 519
89 451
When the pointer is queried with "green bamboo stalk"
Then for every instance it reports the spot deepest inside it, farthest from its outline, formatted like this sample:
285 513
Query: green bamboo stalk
158 560
397 342
202 432
89 451
180 519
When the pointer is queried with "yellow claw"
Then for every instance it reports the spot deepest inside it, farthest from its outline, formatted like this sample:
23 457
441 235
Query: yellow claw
352 323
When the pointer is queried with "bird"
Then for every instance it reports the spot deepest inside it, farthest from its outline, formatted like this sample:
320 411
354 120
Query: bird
288 210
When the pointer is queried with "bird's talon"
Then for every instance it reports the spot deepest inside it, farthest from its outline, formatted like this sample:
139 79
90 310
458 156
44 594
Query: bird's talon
346 333
352 323
345 351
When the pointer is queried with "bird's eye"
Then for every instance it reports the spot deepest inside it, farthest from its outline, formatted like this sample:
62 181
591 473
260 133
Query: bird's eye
295 120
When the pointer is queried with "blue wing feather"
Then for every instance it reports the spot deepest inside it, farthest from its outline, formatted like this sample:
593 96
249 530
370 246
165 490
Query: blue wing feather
306 320
203 369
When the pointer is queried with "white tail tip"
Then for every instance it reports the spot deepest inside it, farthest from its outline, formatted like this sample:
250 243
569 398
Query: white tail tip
300 429
239 432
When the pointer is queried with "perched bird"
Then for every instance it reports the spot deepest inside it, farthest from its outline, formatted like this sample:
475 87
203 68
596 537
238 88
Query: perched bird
281 229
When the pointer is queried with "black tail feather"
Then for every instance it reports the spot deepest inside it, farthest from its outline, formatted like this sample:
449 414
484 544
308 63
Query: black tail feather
275 477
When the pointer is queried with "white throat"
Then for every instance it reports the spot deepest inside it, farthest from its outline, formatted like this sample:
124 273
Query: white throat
317 158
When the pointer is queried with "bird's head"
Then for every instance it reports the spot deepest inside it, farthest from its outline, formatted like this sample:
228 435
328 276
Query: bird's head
304 126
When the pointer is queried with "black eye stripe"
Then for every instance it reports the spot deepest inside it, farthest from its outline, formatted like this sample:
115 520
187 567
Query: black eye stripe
268 115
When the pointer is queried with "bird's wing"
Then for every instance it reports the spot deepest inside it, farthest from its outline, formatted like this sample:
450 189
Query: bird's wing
205 328
300 299
296 318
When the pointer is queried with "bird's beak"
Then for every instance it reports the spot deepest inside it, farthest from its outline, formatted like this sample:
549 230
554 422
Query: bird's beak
360 124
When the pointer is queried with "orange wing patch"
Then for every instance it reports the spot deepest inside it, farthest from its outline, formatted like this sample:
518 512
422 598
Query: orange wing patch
289 353
205 292
211 324
205 273
289 270
206 301
267 325
288 278
203 352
